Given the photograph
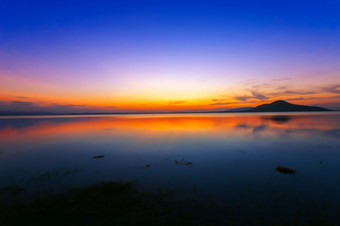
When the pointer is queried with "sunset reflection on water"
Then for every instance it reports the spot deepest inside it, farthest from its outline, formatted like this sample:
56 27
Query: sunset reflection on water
230 157
222 126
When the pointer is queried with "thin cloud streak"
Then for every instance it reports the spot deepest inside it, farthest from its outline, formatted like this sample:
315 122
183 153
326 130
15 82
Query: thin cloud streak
258 95
31 107
281 79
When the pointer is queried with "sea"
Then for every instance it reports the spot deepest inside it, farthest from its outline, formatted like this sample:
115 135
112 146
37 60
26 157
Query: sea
228 159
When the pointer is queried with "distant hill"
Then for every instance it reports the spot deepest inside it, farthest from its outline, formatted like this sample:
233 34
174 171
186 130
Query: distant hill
240 109
284 106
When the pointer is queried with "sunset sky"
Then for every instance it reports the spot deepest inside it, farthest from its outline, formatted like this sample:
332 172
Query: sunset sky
162 56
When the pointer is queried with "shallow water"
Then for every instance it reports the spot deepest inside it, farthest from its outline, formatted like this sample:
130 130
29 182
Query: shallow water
228 159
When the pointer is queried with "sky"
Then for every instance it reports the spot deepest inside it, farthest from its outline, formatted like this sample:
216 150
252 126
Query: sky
166 56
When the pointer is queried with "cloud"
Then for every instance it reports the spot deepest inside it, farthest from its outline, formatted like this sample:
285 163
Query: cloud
217 99
313 98
229 103
30 107
254 95
75 105
294 92
260 91
258 95
224 103
16 106
243 98
21 97
280 79
332 88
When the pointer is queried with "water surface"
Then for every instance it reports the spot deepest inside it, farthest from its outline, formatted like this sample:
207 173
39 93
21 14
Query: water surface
229 159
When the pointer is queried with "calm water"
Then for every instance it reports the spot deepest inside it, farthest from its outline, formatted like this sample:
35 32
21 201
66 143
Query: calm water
227 158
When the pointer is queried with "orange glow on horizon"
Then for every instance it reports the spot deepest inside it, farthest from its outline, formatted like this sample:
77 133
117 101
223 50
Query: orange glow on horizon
154 97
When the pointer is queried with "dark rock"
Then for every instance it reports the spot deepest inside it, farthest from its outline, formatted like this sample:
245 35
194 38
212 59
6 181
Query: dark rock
285 170
98 156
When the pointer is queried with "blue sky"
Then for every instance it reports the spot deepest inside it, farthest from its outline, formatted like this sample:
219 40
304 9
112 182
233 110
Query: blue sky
112 53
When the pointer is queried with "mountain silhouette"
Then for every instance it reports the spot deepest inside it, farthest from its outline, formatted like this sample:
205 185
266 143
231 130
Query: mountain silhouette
284 106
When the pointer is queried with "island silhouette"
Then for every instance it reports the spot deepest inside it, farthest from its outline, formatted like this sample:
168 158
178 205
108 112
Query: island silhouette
284 106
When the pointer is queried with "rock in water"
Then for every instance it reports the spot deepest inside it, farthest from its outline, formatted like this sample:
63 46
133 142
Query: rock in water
285 170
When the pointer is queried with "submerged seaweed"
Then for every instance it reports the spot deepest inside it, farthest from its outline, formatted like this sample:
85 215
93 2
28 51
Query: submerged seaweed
107 203
12 190
183 162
